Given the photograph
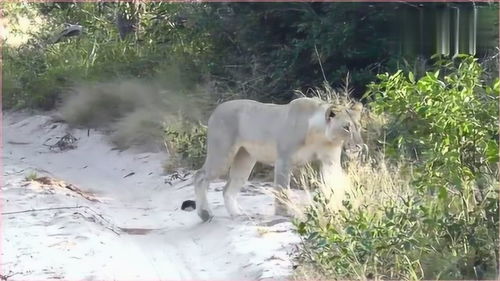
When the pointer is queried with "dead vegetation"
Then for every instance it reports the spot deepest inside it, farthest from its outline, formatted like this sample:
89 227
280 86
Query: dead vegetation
51 185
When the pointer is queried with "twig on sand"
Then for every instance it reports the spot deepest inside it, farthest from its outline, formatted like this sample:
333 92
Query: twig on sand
41 209
91 219
129 174
18 142
103 221
6 277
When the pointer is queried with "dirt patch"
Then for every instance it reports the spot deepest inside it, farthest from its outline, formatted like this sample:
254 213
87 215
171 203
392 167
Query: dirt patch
52 185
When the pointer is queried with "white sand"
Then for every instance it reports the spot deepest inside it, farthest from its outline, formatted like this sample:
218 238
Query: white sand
86 243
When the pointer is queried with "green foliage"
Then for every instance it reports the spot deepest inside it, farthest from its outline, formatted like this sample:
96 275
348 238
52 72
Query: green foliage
268 50
447 119
263 51
410 238
39 72
31 176
444 127
186 144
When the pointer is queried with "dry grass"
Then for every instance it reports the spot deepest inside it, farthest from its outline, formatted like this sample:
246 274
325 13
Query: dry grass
365 183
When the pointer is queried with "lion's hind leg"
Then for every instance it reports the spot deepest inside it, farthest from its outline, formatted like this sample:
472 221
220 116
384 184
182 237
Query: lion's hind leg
201 182
219 156
240 170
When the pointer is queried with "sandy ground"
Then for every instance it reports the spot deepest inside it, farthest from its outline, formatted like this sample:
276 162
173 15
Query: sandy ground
126 222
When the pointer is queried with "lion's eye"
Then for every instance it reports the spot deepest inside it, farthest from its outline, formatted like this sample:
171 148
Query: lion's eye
347 128
331 115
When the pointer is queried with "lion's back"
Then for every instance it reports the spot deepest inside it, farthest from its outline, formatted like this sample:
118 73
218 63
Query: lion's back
251 121
247 118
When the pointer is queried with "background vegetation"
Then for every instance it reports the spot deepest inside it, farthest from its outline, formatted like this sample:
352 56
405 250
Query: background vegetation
262 51
422 205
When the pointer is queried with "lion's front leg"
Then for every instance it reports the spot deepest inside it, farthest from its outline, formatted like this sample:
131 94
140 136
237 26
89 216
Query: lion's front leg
335 183
282 170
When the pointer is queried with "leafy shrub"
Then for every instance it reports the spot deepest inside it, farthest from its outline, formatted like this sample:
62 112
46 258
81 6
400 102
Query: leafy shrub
186 143
39 72
448 117
387 230
447 120
261 50
435 214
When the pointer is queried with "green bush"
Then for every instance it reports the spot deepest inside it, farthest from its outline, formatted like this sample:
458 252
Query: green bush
447 121
441 220
39 73
409 237
262 50
186 144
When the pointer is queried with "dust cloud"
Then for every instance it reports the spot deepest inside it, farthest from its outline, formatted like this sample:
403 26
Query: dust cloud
135 111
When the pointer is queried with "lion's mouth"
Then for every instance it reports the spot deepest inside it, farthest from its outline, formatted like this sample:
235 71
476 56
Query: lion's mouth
356 150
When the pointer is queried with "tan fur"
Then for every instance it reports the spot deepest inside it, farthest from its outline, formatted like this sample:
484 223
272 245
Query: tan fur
243 132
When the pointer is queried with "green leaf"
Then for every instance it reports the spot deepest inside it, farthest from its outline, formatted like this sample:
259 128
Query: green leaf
496 87
443 193
411 77
492 152
301 228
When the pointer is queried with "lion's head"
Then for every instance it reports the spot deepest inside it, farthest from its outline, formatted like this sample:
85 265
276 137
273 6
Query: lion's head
343 125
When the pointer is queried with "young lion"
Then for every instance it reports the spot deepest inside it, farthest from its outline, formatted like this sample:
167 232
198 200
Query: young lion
242 132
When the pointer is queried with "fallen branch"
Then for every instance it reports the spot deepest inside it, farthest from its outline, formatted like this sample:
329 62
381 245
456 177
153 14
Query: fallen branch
107 224
6 277
91 219
18 142
42 209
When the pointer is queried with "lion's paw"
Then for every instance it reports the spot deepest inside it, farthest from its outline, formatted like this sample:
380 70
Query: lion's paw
205 215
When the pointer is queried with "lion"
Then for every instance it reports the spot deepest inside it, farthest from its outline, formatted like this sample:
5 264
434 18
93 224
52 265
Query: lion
243 132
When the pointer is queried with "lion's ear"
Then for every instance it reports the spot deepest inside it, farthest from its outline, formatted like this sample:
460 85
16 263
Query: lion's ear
357 107
329 113
356 110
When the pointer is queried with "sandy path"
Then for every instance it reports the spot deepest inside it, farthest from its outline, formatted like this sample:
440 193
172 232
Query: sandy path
86 241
